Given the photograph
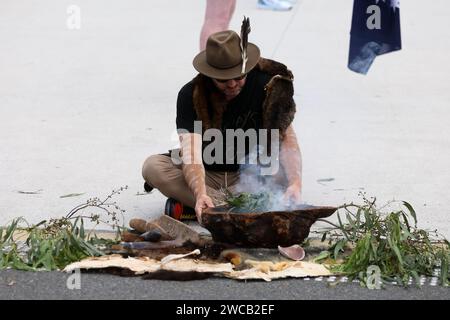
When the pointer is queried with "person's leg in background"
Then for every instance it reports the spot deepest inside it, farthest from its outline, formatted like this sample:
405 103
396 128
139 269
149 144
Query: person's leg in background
217 18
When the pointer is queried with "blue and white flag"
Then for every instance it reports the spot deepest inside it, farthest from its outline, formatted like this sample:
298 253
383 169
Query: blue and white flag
375 31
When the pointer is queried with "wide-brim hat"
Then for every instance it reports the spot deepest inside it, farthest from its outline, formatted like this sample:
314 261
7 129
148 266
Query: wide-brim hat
222 58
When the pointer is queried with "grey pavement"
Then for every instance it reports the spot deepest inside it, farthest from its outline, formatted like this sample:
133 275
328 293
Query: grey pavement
80 110
15 285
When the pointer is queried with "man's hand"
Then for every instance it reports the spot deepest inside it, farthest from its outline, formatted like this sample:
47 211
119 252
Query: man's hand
293 195
203 201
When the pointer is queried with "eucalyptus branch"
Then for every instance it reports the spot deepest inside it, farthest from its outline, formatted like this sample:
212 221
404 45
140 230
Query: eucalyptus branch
326 221
55 243
386 240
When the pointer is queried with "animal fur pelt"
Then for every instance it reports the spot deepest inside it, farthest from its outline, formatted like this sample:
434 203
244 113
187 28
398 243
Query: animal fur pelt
278 107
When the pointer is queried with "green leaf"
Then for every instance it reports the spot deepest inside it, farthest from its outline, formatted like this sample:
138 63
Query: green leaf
394 248
405 218
350 220
11 229
91 249
358 218
416 277
367 219
353 226
321 256
82 235
444 268
342 227
411 211
374 247
405 234
339 247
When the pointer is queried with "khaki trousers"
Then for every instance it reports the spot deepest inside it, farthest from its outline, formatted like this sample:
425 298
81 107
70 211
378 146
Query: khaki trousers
161 173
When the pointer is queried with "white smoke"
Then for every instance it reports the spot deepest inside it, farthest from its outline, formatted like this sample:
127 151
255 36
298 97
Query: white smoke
252 181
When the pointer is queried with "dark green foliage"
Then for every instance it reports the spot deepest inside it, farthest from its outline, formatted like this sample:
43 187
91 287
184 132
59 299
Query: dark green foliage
248 202
390 241
43 250
53 244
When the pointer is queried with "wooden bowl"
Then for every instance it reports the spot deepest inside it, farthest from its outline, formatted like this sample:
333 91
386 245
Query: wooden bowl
262 229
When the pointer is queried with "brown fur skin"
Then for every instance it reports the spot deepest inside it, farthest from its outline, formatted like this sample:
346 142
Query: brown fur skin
278 107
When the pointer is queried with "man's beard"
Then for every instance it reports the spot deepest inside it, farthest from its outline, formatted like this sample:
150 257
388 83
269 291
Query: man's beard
232 93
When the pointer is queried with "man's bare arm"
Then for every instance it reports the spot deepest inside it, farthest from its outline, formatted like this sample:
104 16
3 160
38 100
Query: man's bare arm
194 171
291 161
191 155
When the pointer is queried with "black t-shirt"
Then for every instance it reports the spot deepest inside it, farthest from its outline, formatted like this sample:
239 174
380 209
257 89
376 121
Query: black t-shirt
242 112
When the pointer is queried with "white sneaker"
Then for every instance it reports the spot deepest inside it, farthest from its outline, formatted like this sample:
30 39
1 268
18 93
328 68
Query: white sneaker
276 5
